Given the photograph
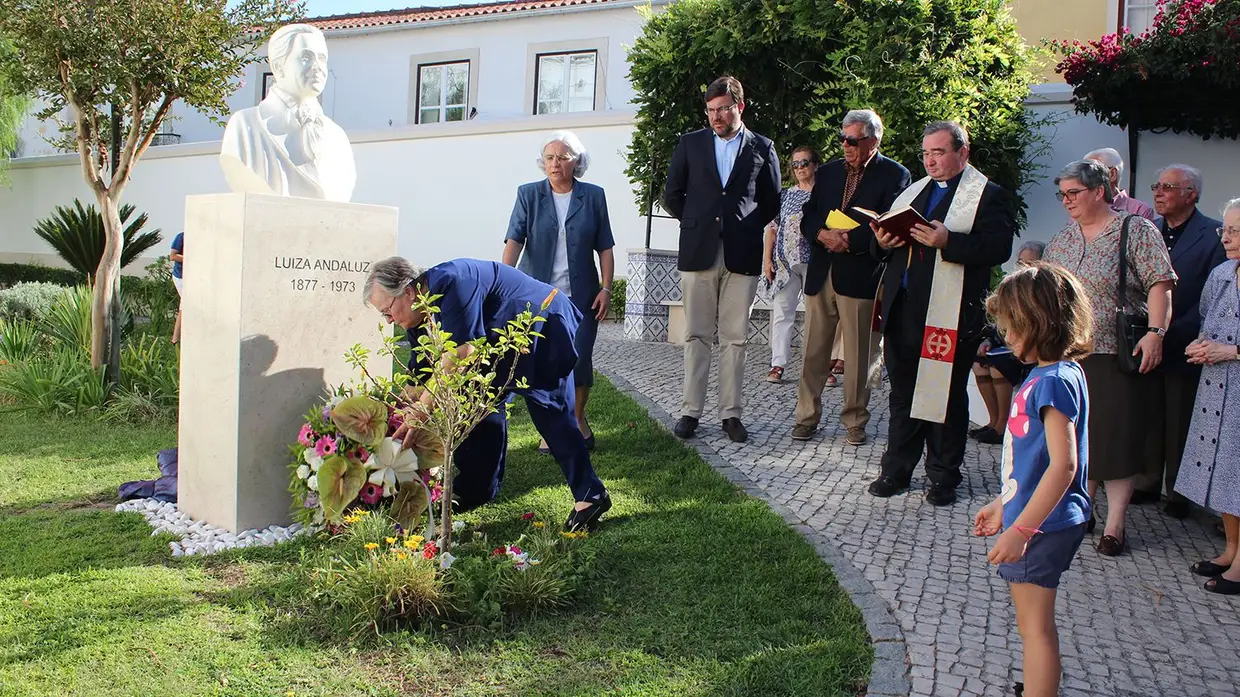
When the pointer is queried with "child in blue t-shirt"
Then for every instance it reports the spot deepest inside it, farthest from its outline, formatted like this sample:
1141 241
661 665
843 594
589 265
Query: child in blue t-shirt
1044 506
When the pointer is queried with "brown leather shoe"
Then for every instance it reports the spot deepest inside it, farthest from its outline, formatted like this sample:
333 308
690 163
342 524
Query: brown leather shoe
856 436
1112 546
776 375
803 431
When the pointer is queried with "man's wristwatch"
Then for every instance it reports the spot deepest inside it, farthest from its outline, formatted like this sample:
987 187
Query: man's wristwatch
1161 332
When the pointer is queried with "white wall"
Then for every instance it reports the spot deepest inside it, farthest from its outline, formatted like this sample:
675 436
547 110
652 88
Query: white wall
453 183
368 85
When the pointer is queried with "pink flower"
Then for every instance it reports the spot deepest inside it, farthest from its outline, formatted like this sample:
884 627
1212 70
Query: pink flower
362 454
371 493
326 446
306 436
395 421
527 516
513 549
436 494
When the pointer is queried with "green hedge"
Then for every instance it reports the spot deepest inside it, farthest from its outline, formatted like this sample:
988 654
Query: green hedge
12 274
619 290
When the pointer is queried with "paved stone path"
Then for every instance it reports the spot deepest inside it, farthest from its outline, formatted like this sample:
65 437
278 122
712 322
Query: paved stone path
1139 624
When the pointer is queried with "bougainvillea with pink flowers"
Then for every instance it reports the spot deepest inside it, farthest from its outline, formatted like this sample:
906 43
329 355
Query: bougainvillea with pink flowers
1182 74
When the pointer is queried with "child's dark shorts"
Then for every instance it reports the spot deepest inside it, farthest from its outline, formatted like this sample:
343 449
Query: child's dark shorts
1047 556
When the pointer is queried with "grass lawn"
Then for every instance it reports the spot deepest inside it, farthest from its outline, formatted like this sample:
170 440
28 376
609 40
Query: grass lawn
702 590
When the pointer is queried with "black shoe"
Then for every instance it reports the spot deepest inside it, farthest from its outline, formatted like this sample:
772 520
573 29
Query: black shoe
587 518
886 487
735 430
686 427
973 432
990 436
1140 498
940 495
1177 507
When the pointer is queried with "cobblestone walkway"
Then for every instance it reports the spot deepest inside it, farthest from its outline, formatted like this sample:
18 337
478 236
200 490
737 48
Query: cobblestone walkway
1139 624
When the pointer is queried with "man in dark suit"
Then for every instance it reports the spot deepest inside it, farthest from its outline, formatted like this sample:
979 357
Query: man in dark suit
930 346
842 275
723 186
476 298
1193 240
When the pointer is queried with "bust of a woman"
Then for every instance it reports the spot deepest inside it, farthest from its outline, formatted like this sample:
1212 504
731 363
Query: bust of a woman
286 145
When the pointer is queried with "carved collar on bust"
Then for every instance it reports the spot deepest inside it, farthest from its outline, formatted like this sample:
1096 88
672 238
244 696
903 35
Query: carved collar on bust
302 112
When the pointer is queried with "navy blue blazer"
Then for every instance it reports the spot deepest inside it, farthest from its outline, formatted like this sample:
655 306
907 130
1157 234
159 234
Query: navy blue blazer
1196 253
734 214
587 228
481 296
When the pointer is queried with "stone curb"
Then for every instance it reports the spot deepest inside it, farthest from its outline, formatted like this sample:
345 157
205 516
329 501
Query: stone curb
889 675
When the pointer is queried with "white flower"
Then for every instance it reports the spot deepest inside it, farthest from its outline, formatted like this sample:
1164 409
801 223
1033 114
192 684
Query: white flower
335 401
391 464
313 459
313 483
303 472
445 560
458 525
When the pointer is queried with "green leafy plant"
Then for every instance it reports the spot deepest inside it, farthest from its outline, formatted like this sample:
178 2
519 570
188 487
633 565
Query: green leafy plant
28 300
619 293
150 369
68 320
152 297
76 233
12 274
805 63
60 381
1191 51
19 340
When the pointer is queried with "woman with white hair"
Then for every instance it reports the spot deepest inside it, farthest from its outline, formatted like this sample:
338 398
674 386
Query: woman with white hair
559 226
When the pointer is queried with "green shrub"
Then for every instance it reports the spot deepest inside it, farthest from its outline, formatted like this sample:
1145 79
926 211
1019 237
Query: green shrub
372 578
28 300
67 321
152 297
77 236
59 381
619 291
135 408
150 368
805 63
12 274
19 340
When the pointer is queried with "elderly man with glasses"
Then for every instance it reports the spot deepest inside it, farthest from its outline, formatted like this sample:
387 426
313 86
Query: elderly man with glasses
842 275
1121 202
1195 249
723 187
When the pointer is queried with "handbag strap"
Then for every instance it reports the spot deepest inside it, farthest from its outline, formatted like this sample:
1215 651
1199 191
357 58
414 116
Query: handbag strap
1121 301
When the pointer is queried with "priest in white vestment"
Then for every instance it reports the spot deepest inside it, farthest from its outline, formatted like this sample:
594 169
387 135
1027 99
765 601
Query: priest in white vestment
286 145
932 310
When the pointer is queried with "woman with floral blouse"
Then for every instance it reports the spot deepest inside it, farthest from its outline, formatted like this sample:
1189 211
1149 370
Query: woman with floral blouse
1089 248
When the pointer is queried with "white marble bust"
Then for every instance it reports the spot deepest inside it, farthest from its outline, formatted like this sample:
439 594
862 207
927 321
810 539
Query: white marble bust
286 145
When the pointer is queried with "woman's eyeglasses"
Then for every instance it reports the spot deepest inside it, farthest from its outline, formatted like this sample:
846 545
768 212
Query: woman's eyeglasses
1070 194
562 158
798 164
1228 231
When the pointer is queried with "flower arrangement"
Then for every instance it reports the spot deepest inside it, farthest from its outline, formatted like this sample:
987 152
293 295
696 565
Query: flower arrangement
1182 74
345 459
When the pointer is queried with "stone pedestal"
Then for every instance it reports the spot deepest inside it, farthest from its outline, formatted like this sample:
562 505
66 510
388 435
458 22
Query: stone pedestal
272 301
653 284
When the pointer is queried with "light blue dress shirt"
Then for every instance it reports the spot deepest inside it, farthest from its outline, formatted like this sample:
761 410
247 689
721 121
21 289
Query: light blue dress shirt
726 152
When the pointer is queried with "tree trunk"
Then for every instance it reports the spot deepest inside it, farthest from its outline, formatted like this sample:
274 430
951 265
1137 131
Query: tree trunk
445 500
107 280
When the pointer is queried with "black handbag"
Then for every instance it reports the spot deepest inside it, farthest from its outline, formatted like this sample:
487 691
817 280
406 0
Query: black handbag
1130 327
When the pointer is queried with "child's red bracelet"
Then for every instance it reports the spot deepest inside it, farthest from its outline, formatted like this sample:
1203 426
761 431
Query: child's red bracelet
1027 532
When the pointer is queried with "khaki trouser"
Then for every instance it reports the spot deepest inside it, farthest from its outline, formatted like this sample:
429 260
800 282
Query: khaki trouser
716 299
827 316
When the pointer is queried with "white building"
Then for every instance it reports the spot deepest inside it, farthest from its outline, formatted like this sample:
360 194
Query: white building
447 109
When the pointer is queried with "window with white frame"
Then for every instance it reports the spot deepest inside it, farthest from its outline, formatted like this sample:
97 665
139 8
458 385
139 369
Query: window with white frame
564 82
1139 15
443 92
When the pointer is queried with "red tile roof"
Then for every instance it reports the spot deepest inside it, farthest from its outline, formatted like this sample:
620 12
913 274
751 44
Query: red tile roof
416 15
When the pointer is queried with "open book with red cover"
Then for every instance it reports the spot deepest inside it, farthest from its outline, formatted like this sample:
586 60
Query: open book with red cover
898 222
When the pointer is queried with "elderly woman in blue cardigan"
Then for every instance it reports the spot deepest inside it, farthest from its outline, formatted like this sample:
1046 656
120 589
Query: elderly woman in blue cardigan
559 226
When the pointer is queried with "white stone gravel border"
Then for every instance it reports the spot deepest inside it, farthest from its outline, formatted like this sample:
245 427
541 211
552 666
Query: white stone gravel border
197 537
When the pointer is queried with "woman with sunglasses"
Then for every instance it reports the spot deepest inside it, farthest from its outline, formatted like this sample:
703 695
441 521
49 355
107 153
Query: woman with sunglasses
785 257
558 227
1122 402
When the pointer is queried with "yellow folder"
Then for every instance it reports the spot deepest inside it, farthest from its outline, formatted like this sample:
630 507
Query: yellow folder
837 220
